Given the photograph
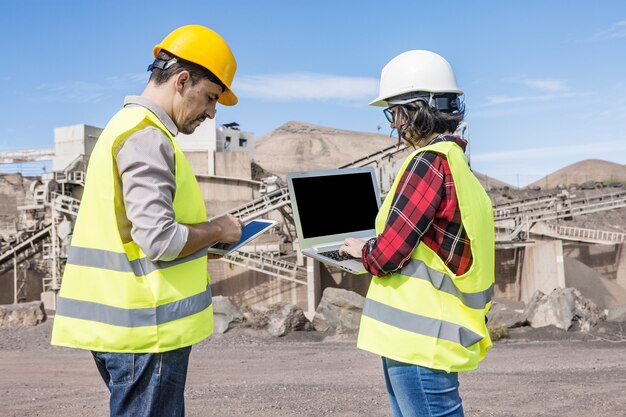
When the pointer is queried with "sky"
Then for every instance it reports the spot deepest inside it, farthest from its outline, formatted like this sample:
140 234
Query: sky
544 82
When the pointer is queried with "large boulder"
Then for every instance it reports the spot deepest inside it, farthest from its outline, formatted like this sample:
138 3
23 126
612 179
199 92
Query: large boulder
24 314
278 319
226 315
339 310
562 308
501 314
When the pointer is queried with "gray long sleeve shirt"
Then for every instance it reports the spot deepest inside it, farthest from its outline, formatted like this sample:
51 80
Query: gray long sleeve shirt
146 166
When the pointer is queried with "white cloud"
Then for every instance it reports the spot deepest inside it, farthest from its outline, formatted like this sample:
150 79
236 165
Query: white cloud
128 79
84 92
74 92
492 101
547 84
551 90
582 150
495 100
306 86
615 31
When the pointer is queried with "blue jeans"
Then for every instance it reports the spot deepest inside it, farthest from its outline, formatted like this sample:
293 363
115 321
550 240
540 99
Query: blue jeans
415 391
145 384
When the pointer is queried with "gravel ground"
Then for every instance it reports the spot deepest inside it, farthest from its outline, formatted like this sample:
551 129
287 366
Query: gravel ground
536 372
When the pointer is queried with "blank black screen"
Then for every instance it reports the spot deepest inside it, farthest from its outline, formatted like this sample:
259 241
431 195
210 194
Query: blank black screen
334 204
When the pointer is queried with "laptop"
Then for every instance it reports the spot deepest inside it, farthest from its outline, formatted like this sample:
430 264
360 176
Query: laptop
329 206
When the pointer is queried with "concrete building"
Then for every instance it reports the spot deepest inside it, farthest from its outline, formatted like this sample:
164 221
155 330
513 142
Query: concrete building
231 139
71 143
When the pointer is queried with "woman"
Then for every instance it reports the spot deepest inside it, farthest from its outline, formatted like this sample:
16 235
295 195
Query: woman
433 258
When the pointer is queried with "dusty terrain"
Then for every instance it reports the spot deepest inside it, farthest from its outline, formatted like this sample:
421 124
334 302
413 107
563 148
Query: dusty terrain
304 146
537 372
583 171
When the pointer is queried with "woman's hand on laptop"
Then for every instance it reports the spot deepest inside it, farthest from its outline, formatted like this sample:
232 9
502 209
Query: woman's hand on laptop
352 247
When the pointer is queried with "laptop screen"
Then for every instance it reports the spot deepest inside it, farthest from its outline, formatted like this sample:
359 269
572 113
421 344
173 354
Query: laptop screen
341 202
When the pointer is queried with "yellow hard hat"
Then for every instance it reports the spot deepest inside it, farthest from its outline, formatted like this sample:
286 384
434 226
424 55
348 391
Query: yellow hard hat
204 47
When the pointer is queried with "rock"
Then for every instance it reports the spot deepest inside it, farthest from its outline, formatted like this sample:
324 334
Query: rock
226 315
617 314
561 308
586 312
501 315
339 310
278 319
24 314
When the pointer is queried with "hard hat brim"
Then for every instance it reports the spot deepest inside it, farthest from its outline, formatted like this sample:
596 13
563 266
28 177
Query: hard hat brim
379 102
228 98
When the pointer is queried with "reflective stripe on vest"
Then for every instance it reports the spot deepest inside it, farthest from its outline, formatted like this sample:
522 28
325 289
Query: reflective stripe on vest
119 262
136 317
418 269
419 324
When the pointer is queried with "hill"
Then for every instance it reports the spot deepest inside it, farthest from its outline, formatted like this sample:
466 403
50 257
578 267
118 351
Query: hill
299 146
583 171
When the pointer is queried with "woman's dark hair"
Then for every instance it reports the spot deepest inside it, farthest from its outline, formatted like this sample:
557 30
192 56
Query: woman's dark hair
197 72
417 120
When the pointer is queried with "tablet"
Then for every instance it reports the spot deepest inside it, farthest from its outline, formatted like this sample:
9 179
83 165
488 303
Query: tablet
249 231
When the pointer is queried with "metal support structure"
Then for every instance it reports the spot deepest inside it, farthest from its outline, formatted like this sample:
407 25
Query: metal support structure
269 265
14 279
522 216
262 205
377 157
55 284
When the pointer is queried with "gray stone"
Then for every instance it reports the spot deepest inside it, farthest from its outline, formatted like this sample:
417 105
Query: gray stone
226 315
617 314
562 308
587 313
501 315
339 310
279 318
23 314
556 309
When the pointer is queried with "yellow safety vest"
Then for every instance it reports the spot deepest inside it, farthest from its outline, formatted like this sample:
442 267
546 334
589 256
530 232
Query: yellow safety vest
113 298
425 314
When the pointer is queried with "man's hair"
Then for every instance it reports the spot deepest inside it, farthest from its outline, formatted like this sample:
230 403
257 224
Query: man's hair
419 120
197 72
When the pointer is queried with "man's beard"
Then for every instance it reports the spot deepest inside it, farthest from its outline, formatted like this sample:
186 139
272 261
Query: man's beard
189 128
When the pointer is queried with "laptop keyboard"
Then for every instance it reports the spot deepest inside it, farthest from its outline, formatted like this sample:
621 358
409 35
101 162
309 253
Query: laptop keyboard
334 254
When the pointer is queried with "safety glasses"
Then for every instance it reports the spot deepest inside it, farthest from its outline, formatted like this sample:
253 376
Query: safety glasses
389 114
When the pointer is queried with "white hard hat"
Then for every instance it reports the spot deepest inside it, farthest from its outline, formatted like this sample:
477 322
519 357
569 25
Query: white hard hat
414 71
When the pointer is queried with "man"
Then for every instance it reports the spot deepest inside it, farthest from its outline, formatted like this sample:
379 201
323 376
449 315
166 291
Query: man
135 288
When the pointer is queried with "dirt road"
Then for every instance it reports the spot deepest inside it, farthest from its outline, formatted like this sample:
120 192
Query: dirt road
244 374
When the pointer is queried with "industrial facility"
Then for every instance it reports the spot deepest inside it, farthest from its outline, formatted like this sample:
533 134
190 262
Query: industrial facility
536 236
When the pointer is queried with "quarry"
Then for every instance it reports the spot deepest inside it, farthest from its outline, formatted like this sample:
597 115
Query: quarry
286 324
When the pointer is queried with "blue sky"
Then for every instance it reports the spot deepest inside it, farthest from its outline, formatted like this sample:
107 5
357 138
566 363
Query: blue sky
545 82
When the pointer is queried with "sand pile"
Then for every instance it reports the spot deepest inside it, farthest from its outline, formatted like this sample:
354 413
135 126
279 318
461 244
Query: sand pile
603 292
297 146
583 171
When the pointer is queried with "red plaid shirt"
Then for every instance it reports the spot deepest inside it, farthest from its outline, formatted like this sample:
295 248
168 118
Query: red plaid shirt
425 208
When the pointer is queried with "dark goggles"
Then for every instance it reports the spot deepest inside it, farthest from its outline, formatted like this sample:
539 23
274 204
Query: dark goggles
162 64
